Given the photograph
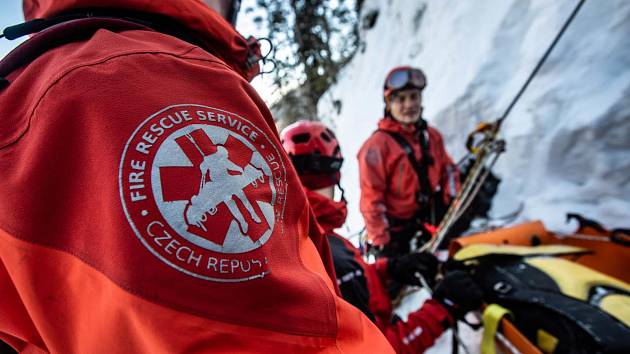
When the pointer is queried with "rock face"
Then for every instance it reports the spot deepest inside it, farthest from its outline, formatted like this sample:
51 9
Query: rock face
569 135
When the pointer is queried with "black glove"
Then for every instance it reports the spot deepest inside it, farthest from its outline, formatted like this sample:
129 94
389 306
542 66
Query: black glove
403 269
459 293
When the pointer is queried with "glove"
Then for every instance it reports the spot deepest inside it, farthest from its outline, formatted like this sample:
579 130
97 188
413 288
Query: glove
403 269
458 293
374 250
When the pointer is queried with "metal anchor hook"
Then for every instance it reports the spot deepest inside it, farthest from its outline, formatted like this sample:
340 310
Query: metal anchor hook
256 55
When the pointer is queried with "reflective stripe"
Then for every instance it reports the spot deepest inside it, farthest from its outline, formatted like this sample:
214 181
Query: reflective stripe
349 276
415 333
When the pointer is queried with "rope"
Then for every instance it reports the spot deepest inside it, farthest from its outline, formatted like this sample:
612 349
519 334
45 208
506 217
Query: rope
540 62
464 199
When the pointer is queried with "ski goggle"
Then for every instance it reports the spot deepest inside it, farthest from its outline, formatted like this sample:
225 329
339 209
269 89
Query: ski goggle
404 77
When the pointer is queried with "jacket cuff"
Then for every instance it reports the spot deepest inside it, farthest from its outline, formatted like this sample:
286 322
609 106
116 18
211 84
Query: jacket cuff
378 239
439 312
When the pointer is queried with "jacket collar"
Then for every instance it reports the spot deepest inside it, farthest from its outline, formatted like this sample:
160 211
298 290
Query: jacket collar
392 125
330 214
214 32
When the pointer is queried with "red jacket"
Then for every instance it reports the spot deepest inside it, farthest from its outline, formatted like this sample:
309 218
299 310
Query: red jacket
146 203
388 181
364 285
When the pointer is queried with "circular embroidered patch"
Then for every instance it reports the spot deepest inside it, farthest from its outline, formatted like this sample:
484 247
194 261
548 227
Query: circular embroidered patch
204 191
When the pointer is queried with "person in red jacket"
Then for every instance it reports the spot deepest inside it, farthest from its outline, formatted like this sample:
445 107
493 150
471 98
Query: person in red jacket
146 203
406 176
316 155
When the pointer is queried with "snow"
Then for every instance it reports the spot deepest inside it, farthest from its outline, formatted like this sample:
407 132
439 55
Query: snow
11 14
569 135
568 138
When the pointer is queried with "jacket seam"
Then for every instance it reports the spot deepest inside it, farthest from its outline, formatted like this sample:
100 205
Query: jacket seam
96 63
331 304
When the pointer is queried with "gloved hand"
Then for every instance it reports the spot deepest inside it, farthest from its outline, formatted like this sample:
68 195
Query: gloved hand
402 269
374 250
459 293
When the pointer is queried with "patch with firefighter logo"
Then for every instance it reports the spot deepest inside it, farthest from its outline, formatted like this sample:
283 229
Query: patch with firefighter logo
204 190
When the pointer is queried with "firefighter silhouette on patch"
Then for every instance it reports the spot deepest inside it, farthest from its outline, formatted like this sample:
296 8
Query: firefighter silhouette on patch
218 185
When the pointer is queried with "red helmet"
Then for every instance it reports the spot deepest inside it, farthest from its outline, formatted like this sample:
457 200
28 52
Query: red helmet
403 77
315 153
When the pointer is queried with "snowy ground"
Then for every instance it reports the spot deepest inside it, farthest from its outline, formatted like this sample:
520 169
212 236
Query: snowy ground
568 137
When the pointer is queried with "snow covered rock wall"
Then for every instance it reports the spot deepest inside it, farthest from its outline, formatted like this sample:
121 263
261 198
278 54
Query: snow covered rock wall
569 135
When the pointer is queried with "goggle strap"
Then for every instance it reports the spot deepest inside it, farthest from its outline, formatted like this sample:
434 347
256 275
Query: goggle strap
316 164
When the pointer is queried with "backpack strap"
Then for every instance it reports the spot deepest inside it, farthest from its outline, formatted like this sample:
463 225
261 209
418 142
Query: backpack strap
426 196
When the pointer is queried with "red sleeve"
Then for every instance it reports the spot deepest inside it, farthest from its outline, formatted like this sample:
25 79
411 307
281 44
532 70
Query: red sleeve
449 173
450 182
380 267
380 302
373 184
86 246
420 331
